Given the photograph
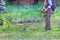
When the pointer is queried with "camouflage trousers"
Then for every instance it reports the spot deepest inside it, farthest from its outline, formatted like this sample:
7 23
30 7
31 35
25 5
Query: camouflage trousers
47 19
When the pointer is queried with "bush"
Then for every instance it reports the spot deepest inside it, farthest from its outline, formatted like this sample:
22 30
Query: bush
4 20
1 20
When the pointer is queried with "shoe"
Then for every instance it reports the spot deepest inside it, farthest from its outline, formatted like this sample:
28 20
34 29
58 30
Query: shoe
47 28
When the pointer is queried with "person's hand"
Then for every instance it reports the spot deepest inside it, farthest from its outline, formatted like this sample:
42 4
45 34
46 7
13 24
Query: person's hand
46 10
43 10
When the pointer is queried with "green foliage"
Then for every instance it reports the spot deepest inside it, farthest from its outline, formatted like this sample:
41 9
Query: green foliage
1 20
34 31
4 28
5 20
58 2
8 3
22 12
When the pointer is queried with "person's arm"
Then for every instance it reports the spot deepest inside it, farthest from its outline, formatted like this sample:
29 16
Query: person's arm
44 6
50 3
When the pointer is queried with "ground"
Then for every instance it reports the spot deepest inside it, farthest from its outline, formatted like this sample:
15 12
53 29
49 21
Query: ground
35 30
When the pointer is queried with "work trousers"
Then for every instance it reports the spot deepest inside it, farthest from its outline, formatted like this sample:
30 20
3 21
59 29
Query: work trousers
47 19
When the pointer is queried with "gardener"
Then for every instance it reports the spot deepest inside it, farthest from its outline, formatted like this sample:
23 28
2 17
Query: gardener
2 6
49 8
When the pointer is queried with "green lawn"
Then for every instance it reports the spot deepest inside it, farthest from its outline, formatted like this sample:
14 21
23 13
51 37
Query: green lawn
34 31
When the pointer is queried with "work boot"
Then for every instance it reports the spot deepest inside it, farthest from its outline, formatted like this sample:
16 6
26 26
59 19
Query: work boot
47 28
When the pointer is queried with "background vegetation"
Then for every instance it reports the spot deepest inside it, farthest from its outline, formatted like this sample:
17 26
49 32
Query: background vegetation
34 30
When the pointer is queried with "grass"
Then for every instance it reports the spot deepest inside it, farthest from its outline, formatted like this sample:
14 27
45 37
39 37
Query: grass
24 11
34 31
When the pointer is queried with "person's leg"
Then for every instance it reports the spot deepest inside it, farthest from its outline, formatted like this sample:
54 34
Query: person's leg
47 20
